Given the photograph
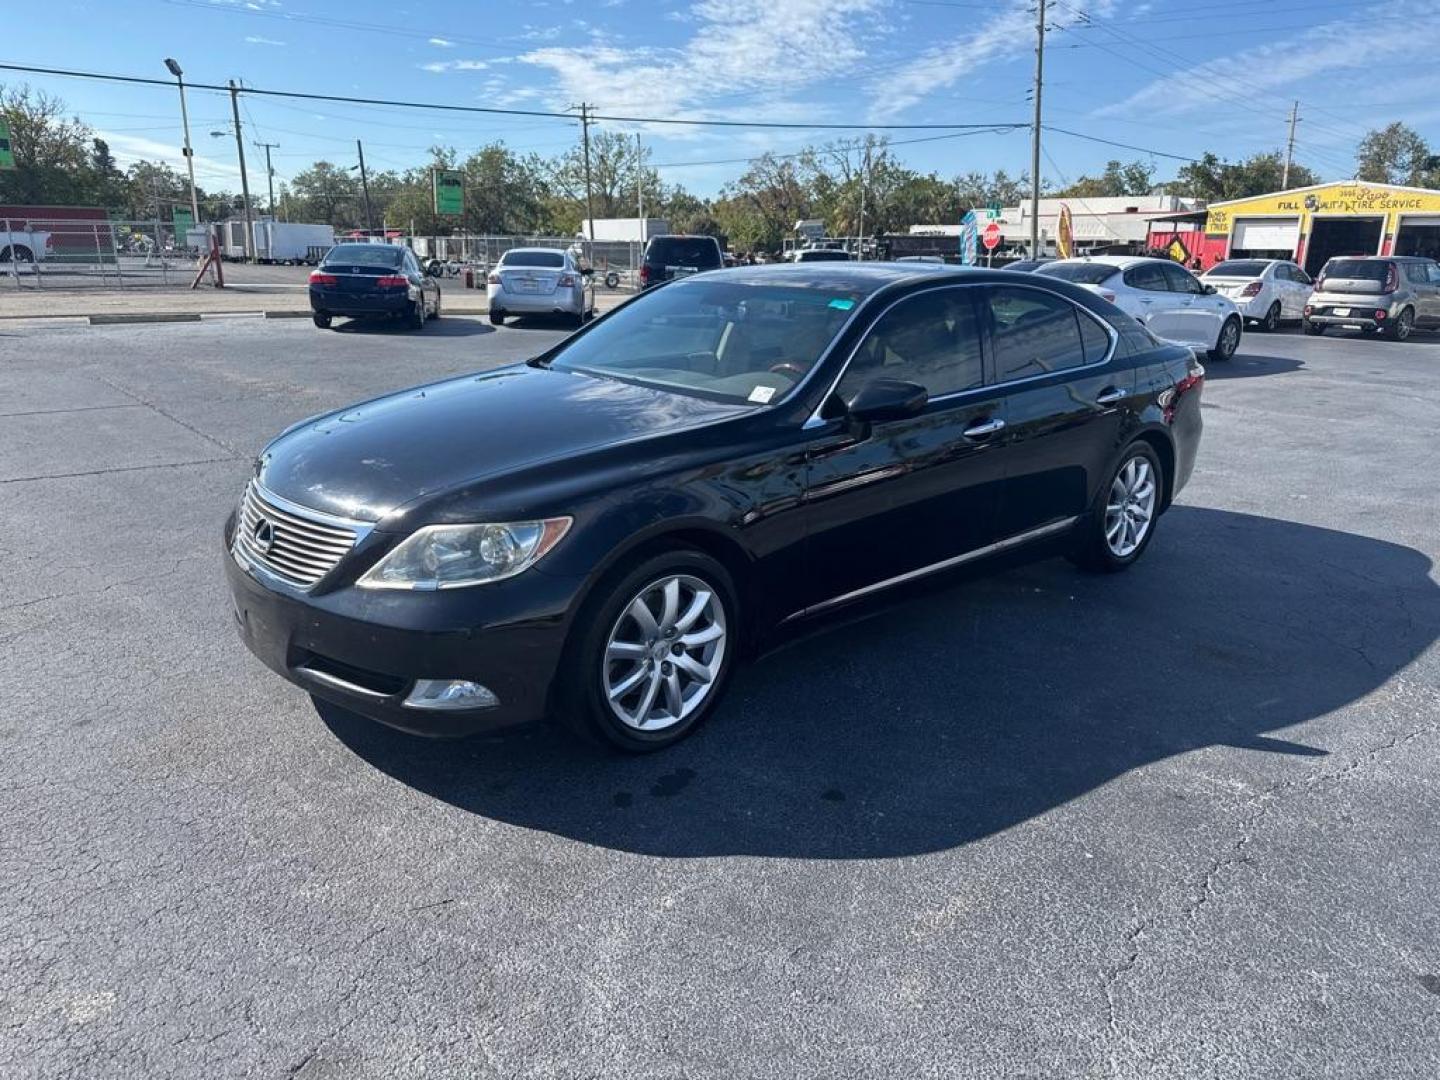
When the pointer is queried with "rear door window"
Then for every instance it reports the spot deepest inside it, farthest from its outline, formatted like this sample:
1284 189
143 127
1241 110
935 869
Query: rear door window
1147 276
1180 280
1034 333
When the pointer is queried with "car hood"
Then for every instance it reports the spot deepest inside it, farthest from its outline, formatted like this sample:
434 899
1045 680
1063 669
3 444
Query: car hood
372 459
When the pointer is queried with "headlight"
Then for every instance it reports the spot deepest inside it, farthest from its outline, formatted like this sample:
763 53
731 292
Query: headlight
453 556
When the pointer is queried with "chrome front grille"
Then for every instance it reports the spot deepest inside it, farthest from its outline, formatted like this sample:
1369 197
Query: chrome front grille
294 544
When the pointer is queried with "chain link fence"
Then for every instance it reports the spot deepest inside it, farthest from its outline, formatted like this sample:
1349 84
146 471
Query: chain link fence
616 262
38 253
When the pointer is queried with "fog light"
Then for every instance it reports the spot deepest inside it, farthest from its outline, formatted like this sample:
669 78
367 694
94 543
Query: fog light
449 694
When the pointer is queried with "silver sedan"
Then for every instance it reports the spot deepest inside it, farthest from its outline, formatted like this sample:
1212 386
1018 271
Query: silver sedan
539 281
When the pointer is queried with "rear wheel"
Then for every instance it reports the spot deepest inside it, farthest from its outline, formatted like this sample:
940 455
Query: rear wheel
321 320
415 318
20 253
436 313
1400 328
1228 341
1314 329
1117 529
653 654
1271 322
497 318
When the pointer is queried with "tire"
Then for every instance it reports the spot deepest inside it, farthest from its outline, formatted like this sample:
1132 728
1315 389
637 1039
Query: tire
640 685
1271 322
612 280
321 320
436 313
1314 329
1095 547
497 318
415 318
1400 329
1228 341
578 320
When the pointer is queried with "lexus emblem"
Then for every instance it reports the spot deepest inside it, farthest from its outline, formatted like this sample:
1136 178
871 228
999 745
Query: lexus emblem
264 536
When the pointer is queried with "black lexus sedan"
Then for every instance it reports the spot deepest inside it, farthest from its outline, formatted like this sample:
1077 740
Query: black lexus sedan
370 281
602 533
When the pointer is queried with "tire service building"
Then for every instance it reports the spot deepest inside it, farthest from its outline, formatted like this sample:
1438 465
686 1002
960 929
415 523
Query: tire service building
1313 224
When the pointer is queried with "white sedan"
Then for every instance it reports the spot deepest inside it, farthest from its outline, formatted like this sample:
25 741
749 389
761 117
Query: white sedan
1162 296
539 281
1266 291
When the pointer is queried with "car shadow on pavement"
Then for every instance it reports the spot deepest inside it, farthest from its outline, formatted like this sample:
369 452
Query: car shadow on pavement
946 718
1247 365
447 327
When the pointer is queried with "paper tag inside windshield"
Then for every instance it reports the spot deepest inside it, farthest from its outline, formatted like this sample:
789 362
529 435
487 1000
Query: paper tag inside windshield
762 394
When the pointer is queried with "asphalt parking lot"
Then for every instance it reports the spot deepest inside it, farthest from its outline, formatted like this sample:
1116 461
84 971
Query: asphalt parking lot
1179 822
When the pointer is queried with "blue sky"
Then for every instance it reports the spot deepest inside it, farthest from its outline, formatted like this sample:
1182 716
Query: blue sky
1164 74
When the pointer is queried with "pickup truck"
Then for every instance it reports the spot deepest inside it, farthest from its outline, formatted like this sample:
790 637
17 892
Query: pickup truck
18 243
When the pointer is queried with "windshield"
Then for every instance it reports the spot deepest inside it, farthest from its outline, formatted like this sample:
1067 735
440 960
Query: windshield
386 255
700 252
1238 268
1357 269
718 339
1081 273
553 259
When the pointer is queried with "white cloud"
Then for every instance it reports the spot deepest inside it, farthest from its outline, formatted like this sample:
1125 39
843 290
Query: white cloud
256 39
440 66
442 43
130 148
759 49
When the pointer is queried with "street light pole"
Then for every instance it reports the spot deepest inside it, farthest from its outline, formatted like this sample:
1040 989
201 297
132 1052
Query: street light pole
189 153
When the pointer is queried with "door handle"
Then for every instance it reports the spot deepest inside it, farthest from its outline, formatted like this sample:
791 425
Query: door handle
1145 299
982 428
1109 396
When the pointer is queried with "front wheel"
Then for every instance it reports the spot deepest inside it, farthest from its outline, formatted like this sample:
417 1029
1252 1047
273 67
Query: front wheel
1271 322
321 320
1117 529
1228 341
653 655
1400 329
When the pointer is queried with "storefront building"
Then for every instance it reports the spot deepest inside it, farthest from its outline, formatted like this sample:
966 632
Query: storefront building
1314 224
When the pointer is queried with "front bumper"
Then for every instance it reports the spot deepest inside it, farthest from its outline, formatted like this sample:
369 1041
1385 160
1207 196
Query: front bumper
364 649
516 303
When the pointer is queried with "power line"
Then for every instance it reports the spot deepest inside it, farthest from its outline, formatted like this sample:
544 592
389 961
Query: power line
1121 145
999 129
436 106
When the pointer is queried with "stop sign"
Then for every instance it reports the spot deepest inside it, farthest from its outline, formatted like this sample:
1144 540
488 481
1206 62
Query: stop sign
991 236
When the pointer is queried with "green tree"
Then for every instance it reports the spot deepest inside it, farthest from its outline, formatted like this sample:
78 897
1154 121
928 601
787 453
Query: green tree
327 194
1215 180
760 209
151 189
52 151
1117 180
1396 154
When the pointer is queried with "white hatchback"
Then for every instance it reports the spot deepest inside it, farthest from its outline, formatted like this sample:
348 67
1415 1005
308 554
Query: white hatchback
1162 296
1266 291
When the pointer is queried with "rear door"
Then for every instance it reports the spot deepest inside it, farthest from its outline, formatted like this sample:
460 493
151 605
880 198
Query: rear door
1161 310
890 499
1064 403
1427 293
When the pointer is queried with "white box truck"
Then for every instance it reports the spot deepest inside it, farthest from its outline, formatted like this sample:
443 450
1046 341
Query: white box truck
277 241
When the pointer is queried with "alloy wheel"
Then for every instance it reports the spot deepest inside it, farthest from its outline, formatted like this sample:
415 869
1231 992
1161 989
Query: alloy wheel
1229 338
1130 507
1403 325
664 653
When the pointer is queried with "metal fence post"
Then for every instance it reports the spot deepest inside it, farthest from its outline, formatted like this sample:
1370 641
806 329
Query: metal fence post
115 251
34 262
99 256
10 249
160 249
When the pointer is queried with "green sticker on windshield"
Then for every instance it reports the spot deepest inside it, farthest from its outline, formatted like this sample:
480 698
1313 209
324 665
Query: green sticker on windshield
842 305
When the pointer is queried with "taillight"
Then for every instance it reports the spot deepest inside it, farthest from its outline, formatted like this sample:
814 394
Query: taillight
317 278
1308 309
644 274
567 281
493 279
1392 278
392 281
1253 289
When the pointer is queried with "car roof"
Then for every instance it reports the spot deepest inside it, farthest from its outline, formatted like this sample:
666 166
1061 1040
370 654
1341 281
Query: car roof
1118 261
858 277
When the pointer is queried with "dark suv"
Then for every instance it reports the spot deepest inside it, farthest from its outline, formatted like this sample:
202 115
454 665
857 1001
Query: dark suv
668 257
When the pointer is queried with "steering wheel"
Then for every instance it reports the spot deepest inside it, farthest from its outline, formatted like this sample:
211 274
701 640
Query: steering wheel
787 367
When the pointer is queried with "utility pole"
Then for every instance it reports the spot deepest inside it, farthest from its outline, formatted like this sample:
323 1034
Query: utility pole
365 187
640 185
1290 146
244 179
864 176
269 172
1035 252
589 202
189 153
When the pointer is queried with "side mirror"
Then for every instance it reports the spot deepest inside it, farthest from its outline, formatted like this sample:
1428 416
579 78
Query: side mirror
886 399
1209 289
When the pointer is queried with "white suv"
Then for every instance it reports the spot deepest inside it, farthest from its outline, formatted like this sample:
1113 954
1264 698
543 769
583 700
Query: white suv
1162 296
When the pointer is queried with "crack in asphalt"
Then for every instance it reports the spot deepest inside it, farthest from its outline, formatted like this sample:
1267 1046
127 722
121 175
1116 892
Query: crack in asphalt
116 469
1205 885
170 416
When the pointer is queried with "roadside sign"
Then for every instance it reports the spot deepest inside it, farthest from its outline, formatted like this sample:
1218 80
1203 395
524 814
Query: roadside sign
183 223
7 154
967 238
1065 233
991 236
448 187
993 211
